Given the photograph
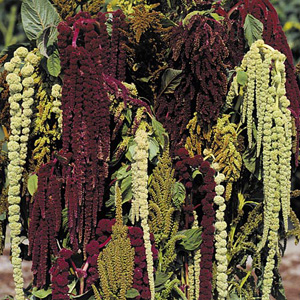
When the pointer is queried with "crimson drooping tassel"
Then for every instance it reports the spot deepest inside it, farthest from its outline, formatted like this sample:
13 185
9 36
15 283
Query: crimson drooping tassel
202 196
203 84
45 221
86 111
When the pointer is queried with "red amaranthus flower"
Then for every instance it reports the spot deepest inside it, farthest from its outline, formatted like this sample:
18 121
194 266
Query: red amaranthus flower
203 84
202 192
59 275
45 221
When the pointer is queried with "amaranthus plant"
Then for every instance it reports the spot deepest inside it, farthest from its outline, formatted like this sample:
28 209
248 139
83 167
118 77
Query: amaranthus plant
148 150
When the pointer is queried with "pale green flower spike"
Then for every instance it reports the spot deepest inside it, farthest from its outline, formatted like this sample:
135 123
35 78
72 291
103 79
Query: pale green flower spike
265 93
21 92
139 209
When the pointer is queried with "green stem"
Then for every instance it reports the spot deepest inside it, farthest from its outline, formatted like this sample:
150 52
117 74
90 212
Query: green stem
245 279
179 292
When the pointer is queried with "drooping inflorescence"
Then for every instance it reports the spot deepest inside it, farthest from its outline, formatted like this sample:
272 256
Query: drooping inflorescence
265 71
21 86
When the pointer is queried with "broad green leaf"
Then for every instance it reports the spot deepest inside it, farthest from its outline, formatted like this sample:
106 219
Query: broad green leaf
159 132
253 29
252 163
45 39
127 196
37 15
121 173
132 293
126 184
192 239
32 184
131 150
111 201
41 293
178 194
170 79
1 89
153 148
128 115
160 279
53 64
242 78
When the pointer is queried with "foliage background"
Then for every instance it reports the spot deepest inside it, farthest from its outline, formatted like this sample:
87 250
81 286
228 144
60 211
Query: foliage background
11 31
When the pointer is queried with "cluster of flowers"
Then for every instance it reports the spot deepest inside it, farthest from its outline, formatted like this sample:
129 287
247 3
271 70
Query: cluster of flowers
86 133
56 109
274 36
267 73
204 192
21 87
59 275
139 208
203 84
45 221
140 278
220 239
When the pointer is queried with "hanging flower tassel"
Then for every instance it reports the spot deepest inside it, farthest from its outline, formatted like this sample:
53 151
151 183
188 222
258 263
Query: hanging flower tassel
140 198
21 92
220 239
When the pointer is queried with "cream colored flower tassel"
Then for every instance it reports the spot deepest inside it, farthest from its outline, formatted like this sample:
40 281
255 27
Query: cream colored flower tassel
221 239
21 92
139 208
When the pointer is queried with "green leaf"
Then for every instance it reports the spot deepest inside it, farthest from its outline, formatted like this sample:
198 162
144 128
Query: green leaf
32 184
252 163
3 216
242 78
121 173
153 148
195 173
132 293
37 15
169 81
159 132
178 194
131 150
192 239
234 296
126 184
278 291
128 115
188 17
41 293
1 89
46 38
72 285
53 64
216 16
253 29
160 279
